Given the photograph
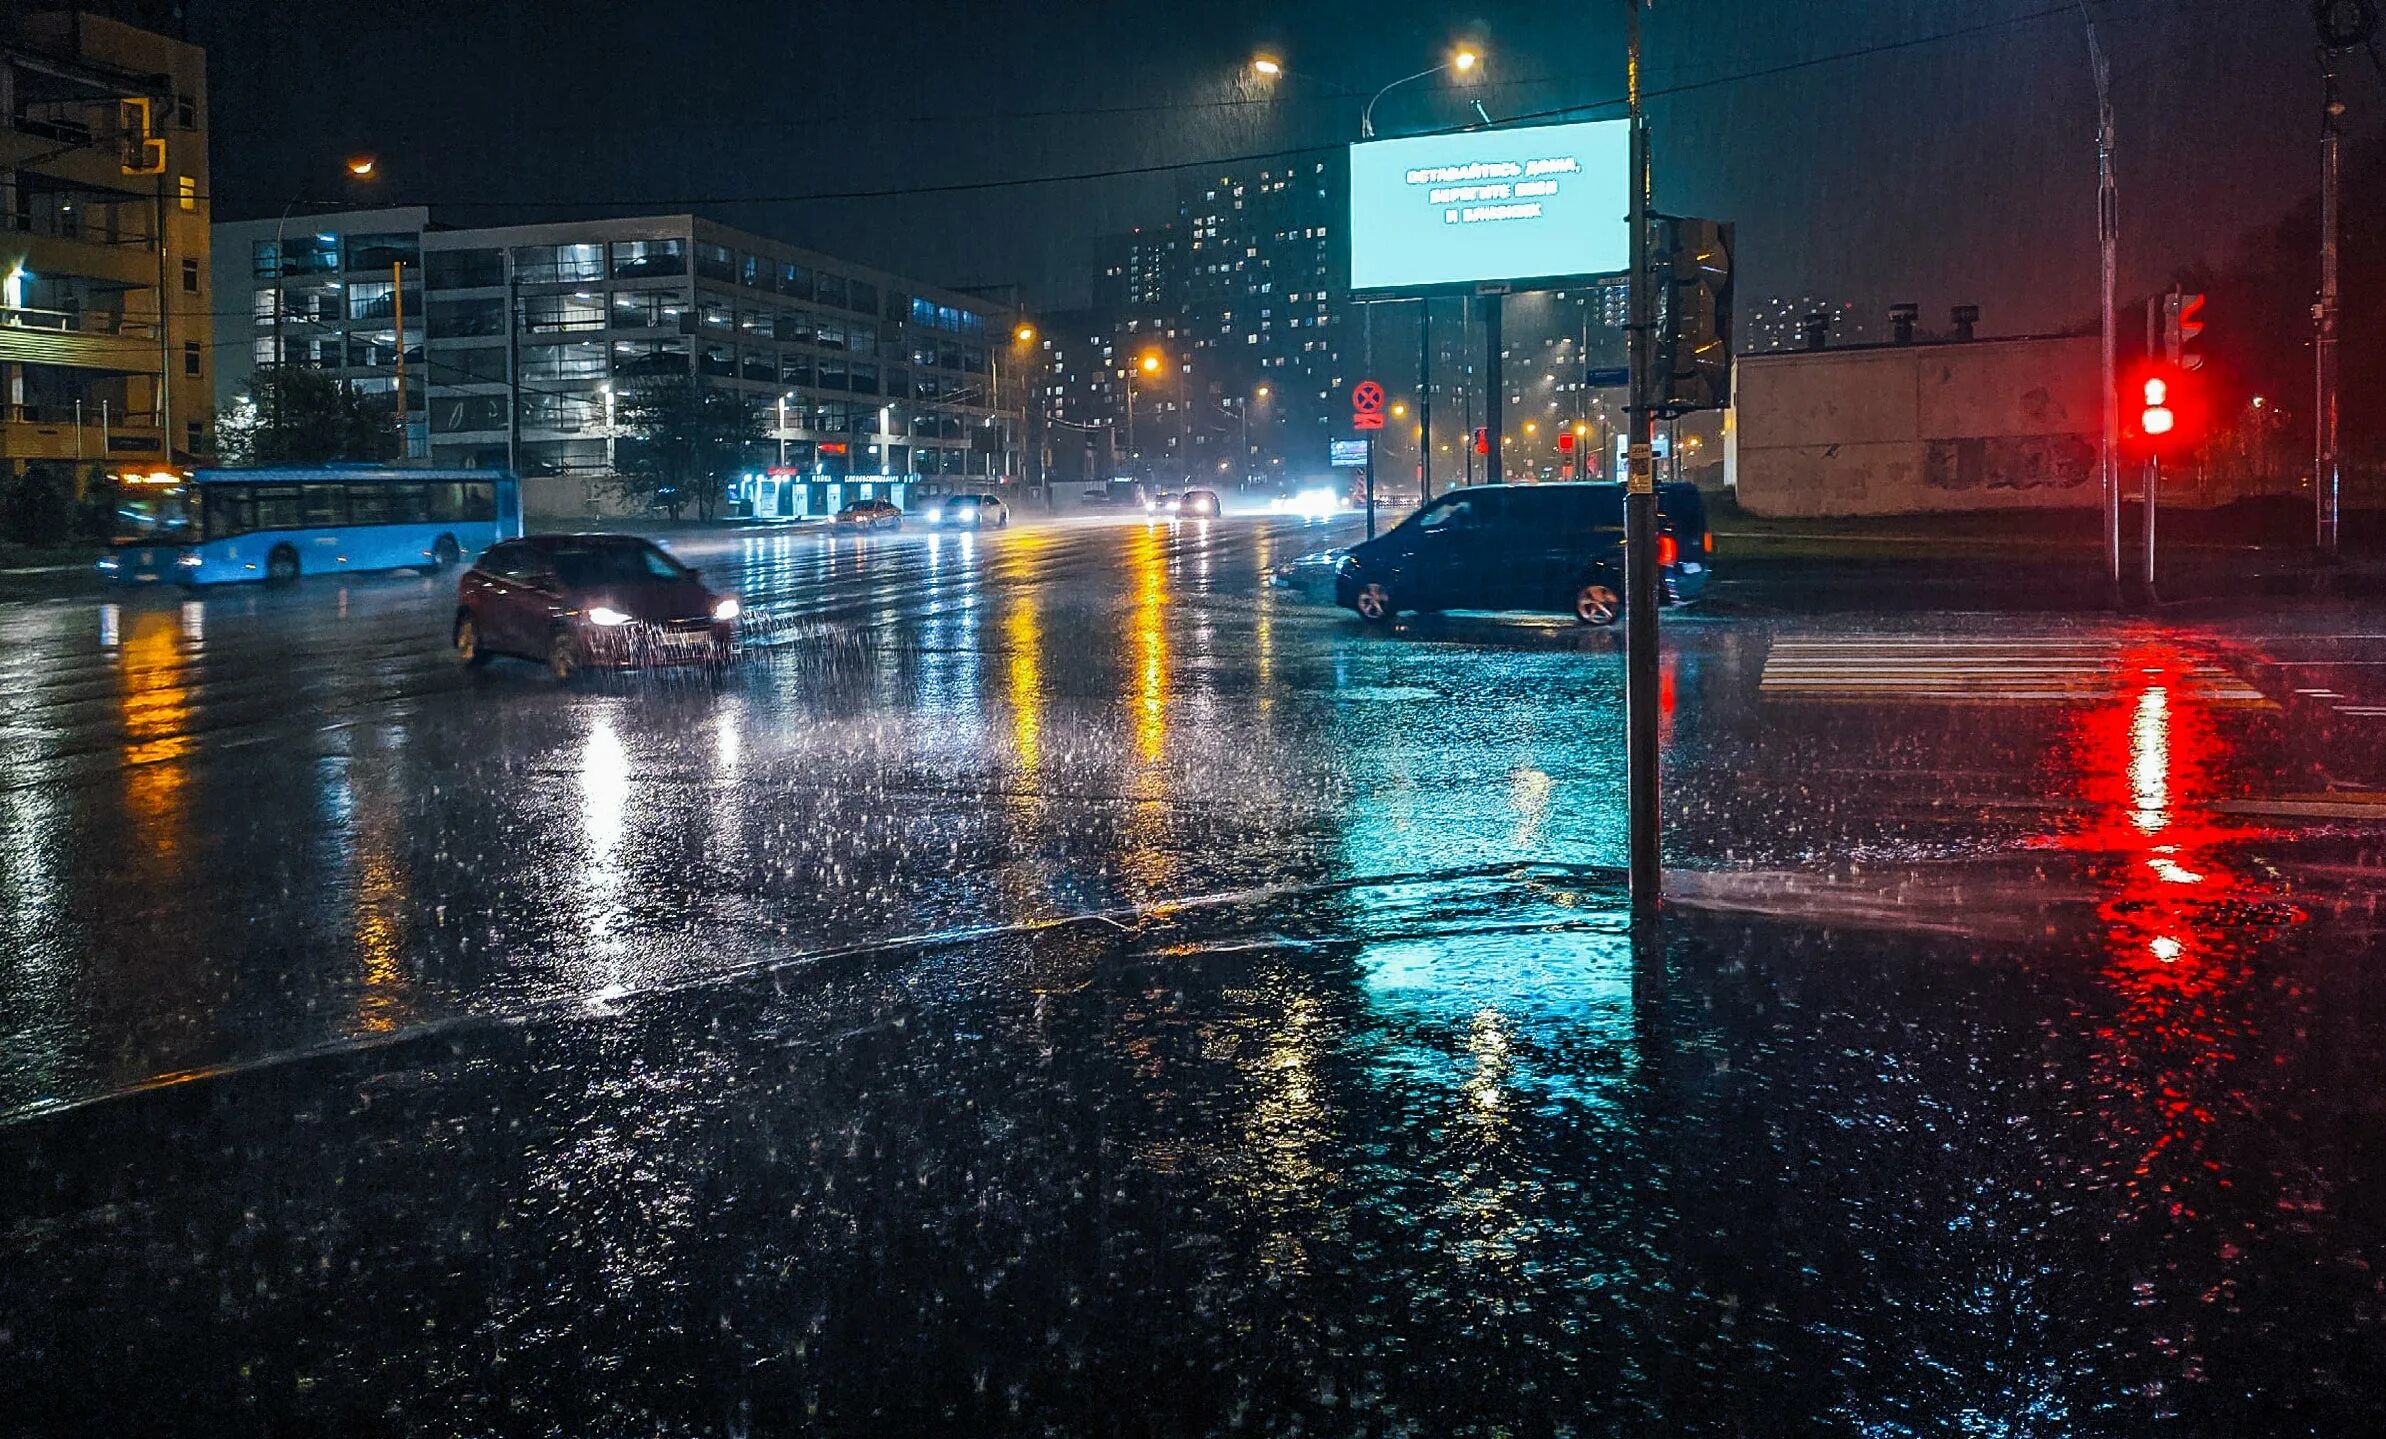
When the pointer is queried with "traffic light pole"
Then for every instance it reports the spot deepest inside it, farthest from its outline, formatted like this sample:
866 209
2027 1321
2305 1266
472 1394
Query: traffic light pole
1640 523
2152 489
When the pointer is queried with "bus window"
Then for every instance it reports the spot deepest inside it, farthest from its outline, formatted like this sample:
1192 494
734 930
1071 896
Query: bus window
447 503
368 505
408 505
277 507
230 510
323 507
480 501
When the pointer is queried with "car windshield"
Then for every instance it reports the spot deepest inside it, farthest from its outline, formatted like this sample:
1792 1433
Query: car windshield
615 565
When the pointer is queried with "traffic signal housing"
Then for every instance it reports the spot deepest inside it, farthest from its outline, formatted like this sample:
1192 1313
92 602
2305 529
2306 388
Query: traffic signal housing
2182 328
1692 367
2162 409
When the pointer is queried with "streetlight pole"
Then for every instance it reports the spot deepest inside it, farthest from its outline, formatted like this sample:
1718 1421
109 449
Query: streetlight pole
1463 62
1640 522
2108 245
2326 477
1424 400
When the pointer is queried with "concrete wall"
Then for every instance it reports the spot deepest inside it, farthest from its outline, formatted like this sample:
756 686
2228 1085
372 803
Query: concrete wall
1890 430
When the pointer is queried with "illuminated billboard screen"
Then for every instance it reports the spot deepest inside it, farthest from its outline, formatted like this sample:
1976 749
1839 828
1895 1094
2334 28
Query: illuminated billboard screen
1490 207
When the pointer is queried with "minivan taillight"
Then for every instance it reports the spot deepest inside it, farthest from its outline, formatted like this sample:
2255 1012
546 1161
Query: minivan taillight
1707 542
1668 550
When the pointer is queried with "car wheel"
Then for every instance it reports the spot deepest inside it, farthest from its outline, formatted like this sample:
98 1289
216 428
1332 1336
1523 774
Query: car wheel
563 656
281 567
468 642
443 552
1374 604
1598 604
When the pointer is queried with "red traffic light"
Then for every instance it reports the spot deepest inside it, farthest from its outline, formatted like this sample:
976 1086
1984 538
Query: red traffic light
2160 404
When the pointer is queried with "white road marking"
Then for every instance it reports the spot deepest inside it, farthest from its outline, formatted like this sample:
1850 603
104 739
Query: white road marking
2004 670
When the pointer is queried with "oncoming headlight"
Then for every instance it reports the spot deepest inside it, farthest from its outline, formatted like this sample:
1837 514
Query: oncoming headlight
188 562
602 615
725 610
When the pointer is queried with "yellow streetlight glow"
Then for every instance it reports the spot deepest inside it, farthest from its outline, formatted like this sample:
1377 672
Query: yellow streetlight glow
1263 392
362 166
1465 60
1399 410
1025 334
1267 65
1150 364
1530 428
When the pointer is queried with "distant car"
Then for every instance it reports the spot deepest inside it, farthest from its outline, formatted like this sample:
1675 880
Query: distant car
1523 547
971 512
573 602
1199 504
871 515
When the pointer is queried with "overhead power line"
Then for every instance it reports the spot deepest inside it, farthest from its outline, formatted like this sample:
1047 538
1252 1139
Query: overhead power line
674 203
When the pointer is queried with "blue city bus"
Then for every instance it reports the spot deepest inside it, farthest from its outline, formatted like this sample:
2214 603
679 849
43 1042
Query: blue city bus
277 525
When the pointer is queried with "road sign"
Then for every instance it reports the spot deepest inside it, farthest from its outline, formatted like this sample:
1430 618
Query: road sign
1347 454
1366 406
1614 379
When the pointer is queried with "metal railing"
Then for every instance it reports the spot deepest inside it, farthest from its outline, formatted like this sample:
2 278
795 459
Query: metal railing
76 322
54 412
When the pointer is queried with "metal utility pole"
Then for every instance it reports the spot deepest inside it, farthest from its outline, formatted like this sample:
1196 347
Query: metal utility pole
397 294
1424 400
2326 474
1640 521
1495 386
1466 392
2108 244
513 364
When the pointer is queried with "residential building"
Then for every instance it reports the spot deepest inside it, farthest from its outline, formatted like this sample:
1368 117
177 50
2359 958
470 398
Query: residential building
1242 302
105 336
338 277
858 372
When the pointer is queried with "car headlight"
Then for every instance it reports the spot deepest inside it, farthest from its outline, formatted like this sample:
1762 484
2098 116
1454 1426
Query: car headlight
188 562
935 517
602 615
109 565
725 610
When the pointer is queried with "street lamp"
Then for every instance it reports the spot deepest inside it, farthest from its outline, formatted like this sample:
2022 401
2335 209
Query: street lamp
1464 61
1267 67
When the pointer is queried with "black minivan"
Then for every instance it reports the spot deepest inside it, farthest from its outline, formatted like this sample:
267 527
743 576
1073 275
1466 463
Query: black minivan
1523 547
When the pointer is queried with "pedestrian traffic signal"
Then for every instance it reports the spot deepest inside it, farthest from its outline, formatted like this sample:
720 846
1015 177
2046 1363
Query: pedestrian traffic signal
1693 354
1565 442
2160 400
1482 441
2181 327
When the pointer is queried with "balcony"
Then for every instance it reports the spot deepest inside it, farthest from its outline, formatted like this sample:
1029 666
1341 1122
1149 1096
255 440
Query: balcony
49 432
82 341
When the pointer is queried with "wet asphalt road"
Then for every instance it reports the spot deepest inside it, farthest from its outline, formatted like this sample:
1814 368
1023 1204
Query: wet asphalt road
1060 982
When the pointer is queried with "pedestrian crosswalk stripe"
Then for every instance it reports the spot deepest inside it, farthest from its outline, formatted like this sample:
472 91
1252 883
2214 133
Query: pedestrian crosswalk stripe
2004 670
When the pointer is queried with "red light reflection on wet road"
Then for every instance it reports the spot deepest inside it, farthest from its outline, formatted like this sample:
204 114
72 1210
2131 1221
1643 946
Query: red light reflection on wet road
2182 925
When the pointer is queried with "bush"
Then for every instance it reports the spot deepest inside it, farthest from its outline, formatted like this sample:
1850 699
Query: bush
35 510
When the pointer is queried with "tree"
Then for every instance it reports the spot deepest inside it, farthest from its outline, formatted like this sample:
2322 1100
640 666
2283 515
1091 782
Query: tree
293 415
679 439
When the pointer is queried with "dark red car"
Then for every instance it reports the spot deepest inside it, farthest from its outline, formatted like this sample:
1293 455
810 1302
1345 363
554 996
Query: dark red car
576 601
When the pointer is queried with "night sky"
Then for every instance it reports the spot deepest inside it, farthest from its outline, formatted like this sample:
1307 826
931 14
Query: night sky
1959 169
